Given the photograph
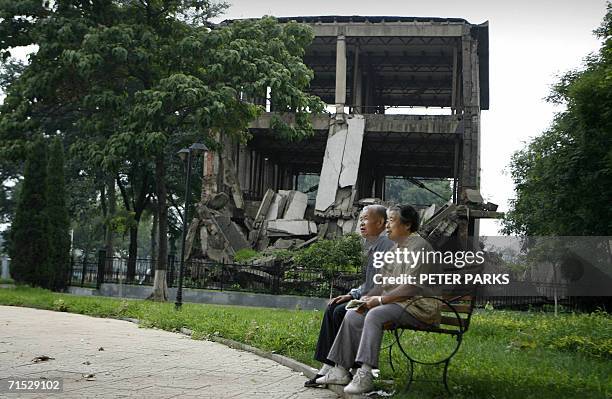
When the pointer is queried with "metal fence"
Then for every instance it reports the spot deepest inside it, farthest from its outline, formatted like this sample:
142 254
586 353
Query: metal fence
275 278
513 296
84 271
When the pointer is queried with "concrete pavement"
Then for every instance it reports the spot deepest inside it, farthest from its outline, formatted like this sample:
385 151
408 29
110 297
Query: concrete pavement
106 358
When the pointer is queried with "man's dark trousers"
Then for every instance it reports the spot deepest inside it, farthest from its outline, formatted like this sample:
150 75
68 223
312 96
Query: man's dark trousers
334 314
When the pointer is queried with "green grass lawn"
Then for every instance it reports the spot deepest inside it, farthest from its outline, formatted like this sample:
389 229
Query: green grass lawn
504 354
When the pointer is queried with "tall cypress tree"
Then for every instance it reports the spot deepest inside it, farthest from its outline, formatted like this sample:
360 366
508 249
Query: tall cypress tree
29 237
59 221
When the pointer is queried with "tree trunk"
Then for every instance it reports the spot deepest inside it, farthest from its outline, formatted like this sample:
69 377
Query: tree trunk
154 238
111 211
160 286
132 253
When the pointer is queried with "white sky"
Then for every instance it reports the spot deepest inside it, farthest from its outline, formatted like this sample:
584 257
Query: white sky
530 43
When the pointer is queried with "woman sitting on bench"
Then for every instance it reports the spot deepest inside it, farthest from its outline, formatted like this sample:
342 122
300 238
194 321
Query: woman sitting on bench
360 336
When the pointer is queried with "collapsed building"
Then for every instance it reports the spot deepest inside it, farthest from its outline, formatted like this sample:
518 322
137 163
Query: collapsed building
365 68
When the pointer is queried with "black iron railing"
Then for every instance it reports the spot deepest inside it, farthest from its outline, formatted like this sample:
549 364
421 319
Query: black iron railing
273 278
280 278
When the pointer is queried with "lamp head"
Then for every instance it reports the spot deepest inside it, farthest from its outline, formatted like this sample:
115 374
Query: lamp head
183 152
198 148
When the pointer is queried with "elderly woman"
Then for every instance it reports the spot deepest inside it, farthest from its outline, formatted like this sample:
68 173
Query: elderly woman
360 335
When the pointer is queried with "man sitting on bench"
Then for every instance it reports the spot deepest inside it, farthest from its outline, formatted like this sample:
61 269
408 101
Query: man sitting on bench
360 336
372 221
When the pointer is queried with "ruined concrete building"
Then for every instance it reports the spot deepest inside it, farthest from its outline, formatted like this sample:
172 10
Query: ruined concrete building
365 67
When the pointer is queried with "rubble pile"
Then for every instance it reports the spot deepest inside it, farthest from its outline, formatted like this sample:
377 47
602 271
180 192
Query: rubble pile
226 223
281 215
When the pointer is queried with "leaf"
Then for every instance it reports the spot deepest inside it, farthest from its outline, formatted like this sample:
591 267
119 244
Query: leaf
42 358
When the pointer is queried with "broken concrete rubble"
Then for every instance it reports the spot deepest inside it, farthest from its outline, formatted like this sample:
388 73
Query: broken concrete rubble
264 207
275 211
340 167
281 227
235 236
296 205
283 243
226 224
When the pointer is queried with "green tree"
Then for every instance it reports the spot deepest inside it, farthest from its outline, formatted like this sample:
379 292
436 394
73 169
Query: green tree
10 172
403 191
57 214
29 235
136 187
563 178
126 81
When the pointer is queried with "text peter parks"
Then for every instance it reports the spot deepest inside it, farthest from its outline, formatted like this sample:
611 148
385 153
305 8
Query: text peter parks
413 259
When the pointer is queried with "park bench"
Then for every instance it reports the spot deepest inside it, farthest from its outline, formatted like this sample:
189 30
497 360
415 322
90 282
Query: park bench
455 321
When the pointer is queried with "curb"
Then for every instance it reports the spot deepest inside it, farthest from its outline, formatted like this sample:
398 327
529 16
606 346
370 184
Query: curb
293 364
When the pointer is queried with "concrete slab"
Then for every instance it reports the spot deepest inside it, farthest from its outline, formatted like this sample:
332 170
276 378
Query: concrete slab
332 166
352 151
296 205
276 207
264 206
281 227
236 238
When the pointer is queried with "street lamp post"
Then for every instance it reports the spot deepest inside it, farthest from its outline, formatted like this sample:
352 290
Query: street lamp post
186 154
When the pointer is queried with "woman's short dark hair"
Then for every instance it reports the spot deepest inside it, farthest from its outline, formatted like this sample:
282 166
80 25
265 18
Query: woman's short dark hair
408 215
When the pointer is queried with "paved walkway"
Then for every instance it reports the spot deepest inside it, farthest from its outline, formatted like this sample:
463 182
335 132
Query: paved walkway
105 358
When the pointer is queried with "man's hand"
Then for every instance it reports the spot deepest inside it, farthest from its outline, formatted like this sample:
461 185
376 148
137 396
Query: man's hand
340 299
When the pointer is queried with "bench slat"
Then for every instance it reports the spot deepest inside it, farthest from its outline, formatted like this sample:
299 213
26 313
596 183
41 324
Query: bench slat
452 321
460 308
452 298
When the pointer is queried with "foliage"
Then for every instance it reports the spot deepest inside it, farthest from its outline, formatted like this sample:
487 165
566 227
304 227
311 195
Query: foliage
29 235
402 191
245 255
57 214
504 354
127 83
563 178
8 199
341 253
10 69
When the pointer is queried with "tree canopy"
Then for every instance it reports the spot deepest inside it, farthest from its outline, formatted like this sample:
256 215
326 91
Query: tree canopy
126 83
563 178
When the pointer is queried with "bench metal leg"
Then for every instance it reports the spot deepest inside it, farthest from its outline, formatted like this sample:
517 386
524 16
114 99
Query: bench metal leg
410 375
445 375
391 358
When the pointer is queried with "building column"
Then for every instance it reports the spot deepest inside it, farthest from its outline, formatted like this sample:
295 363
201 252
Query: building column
470 154
470 104
340 74
357 84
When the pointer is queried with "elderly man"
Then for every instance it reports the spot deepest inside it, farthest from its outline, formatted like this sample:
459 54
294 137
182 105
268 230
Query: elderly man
359 339
372 219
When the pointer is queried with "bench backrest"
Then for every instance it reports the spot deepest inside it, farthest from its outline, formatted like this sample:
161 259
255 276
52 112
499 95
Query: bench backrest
463 305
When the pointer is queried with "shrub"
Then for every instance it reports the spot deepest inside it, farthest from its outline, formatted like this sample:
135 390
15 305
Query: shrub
342 253
245 255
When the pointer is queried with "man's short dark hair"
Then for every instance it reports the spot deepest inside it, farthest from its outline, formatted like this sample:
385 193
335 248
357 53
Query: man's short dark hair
408 215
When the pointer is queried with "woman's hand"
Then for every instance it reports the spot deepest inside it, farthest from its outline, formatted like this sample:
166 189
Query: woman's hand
373 302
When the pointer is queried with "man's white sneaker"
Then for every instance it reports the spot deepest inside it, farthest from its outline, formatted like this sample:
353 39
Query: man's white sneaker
362 383
337 375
